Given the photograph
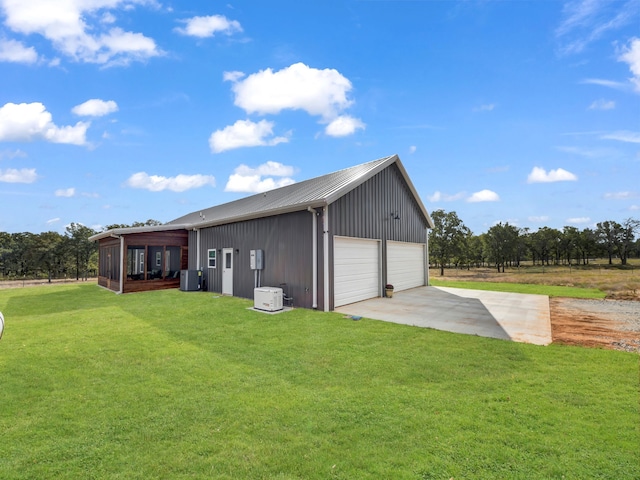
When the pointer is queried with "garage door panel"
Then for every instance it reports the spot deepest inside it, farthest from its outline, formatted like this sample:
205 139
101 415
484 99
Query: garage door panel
405 265
356 270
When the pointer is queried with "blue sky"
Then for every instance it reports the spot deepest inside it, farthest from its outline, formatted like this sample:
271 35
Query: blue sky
116 111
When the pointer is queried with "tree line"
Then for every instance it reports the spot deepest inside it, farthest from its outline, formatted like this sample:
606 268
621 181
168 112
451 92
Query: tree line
52 254
451 242
71 254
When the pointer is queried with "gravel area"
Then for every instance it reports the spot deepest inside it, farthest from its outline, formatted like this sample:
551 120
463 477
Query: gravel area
596 323
626 313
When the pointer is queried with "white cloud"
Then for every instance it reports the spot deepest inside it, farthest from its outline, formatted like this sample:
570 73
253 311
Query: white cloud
297 87
620 195
344 125
606 83
65 192
24 175
484 196
485 108
77 28
179 183
623 136
578 220
540 175
254 183
232 76
203 27
244 133
443 197
586 21
108 17
631 55
12 154
275 169
25 122
53 220
634 208
412 149
538 219
95 108
14 51
250 180
602 104
589 152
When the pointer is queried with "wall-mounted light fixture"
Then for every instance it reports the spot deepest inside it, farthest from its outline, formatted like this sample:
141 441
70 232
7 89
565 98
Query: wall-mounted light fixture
395 215
237 251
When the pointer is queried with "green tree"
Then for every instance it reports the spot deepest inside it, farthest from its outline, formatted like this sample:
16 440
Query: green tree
446 238
608 234
626 238
49 248
149 223
80 248
502 244
543 243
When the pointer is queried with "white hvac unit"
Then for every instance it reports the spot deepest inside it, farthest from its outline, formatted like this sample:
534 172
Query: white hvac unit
268 299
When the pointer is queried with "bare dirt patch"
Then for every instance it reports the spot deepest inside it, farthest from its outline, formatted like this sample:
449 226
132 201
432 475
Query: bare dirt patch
612 324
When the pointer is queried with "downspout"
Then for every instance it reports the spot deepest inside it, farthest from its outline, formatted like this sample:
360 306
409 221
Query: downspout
122 264
197 248
427 258
314 254
325 240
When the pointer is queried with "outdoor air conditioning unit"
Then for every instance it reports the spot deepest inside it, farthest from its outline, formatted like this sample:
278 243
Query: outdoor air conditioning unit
268 299
190 280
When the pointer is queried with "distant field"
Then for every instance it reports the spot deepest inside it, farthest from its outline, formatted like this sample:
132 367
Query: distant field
170 384
615 281
550 290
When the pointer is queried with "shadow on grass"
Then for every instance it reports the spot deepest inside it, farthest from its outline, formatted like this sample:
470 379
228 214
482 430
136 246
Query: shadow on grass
33 301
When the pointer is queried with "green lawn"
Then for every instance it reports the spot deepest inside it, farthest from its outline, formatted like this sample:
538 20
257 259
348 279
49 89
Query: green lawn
536 289
175 385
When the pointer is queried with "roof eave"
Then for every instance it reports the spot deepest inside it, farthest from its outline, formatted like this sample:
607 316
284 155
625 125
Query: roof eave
117 232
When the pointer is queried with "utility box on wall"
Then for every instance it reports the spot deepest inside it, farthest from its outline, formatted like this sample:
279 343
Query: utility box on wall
256 259
190 280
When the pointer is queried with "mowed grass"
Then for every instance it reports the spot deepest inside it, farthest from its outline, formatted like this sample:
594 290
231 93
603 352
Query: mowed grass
535 289
177 385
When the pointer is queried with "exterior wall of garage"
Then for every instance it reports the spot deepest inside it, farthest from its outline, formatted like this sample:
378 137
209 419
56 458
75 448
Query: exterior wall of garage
287 244
370 211
382 208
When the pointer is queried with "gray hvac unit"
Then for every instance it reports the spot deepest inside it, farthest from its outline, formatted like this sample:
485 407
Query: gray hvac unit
190 280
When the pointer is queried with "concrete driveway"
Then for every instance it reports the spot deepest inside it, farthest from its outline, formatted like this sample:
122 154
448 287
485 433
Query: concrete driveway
509 316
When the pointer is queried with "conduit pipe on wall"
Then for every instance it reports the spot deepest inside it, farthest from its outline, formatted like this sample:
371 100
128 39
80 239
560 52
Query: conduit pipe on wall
325 240
314 249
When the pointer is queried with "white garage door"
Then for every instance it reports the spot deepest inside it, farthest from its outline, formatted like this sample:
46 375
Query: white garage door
405 265
356 269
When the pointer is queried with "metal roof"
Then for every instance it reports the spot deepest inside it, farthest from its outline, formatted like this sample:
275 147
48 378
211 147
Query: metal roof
316 192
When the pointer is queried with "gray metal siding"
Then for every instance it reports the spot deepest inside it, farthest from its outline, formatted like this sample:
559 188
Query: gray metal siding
366 212
193 243
286 241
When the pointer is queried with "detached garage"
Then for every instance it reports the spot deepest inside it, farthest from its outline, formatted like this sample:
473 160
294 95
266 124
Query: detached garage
327 241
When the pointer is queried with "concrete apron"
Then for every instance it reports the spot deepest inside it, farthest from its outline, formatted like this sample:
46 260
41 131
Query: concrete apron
509 316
